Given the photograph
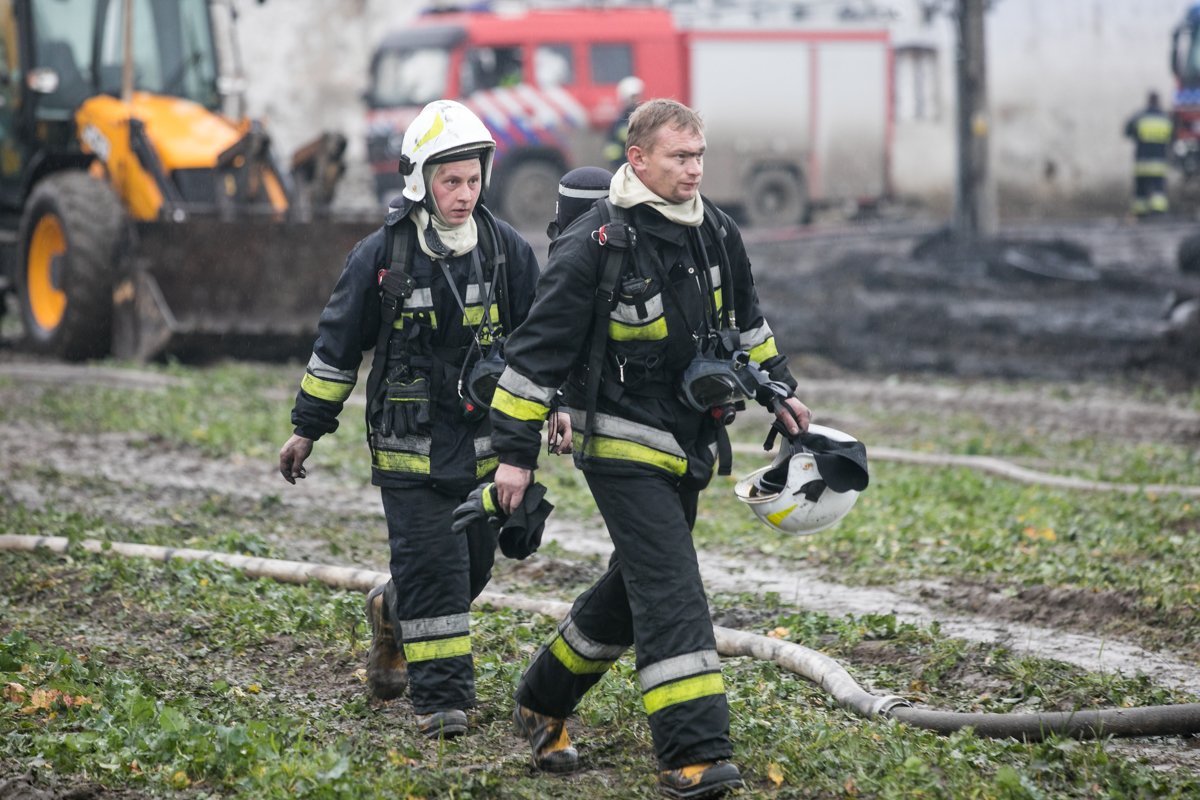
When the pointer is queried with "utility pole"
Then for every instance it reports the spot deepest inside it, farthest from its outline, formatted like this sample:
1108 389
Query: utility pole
975 215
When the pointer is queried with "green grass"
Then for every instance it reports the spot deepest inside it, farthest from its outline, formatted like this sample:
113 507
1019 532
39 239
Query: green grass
199 680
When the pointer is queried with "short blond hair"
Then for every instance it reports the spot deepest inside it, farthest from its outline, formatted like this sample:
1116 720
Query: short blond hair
648 118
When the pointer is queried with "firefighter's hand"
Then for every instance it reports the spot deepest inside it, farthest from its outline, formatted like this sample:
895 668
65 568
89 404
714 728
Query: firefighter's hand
291 458
559 432
794 415
511 483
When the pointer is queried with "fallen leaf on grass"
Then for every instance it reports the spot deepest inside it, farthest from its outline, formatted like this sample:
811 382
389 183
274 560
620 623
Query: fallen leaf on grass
13 693
779 633
775 774
850 787
400 760
361 674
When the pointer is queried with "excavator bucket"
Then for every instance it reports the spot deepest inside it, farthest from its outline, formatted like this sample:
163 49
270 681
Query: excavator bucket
247 288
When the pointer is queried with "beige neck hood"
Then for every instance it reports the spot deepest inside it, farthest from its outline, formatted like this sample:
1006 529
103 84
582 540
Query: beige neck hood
459 240
627 191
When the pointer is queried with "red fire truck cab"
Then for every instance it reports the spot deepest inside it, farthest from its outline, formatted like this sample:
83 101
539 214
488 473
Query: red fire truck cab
783 109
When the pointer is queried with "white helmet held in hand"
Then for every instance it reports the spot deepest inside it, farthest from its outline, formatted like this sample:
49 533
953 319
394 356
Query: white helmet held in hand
791 496
443 130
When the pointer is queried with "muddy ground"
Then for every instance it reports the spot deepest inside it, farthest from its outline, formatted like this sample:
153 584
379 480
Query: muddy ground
142 480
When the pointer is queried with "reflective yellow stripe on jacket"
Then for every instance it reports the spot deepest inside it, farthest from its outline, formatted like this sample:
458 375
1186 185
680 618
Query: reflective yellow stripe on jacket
623 440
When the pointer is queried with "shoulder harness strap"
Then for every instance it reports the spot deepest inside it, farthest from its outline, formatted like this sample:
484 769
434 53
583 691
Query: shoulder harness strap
395 286
616 238
493 248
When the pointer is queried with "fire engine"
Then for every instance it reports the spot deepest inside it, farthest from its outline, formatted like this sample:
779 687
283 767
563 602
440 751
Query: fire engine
795 114
1185 111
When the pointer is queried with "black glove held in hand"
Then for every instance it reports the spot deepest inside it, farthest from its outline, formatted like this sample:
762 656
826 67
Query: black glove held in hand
480 505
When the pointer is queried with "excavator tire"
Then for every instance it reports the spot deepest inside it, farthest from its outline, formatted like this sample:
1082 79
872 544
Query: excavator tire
70 242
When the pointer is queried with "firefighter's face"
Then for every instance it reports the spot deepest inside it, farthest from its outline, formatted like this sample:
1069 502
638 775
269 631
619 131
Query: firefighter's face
456 189
672 168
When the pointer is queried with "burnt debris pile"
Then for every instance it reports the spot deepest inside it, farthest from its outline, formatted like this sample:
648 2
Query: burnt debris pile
1007 307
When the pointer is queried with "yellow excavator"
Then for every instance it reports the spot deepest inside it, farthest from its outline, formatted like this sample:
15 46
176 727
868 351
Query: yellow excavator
141 212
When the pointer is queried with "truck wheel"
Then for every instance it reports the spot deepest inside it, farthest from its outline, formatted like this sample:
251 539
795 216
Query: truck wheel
776 197
69 243
530 192
1188 255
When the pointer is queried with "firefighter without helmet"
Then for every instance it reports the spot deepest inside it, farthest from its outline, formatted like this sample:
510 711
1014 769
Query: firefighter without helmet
444 129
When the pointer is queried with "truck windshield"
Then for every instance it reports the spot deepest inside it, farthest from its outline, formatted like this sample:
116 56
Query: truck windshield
410 77
173 50
1187 56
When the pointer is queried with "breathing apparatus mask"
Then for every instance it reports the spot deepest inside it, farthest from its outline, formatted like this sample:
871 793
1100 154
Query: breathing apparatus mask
475 394
721 377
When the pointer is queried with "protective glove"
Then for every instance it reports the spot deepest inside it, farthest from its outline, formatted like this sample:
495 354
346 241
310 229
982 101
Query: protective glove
480 506
406 408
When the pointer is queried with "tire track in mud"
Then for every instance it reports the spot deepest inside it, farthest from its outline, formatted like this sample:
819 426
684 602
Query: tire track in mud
125 460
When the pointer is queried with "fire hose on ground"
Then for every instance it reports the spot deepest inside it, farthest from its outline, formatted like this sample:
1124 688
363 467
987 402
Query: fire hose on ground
829 675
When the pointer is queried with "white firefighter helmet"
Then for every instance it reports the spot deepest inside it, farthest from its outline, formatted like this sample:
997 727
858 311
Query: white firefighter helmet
629 87
442 130
790 495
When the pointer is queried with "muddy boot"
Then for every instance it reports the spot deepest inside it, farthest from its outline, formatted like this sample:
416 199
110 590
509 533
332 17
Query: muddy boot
548 739
704 780
443 724
387 671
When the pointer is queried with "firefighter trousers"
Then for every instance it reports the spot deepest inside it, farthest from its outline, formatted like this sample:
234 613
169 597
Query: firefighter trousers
651 597
1150 195
437 574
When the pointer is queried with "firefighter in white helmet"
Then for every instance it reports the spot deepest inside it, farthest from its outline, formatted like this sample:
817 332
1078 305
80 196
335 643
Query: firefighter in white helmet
433 292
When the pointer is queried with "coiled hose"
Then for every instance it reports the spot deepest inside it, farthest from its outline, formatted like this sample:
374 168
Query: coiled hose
822 670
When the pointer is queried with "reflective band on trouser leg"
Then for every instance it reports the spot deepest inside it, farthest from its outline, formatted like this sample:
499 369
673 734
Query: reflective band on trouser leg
1158 202
518 407
575 660
435 571
680 679
438 648
1150 169
683 691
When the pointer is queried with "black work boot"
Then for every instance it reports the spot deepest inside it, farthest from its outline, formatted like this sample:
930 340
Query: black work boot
705 780
443 724
387 670
548 740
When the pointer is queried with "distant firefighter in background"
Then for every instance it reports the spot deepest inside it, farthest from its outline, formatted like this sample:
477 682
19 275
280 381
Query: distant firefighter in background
1151 130
629 94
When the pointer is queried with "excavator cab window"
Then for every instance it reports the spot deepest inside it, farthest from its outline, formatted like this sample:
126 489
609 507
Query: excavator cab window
173 49
63 38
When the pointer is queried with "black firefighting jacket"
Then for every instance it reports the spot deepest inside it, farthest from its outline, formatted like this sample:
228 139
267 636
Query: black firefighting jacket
451 451
641 424
1151 130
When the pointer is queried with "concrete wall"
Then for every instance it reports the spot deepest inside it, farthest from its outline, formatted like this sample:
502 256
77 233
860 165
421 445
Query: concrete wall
1064 76
306 61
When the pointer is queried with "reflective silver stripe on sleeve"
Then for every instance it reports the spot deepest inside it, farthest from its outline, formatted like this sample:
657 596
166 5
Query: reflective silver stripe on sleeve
408 444
413 629
474 296
421 298
756 336
672 669
517 384
629 314
319 369
483 447
587 647
715 272
617 428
